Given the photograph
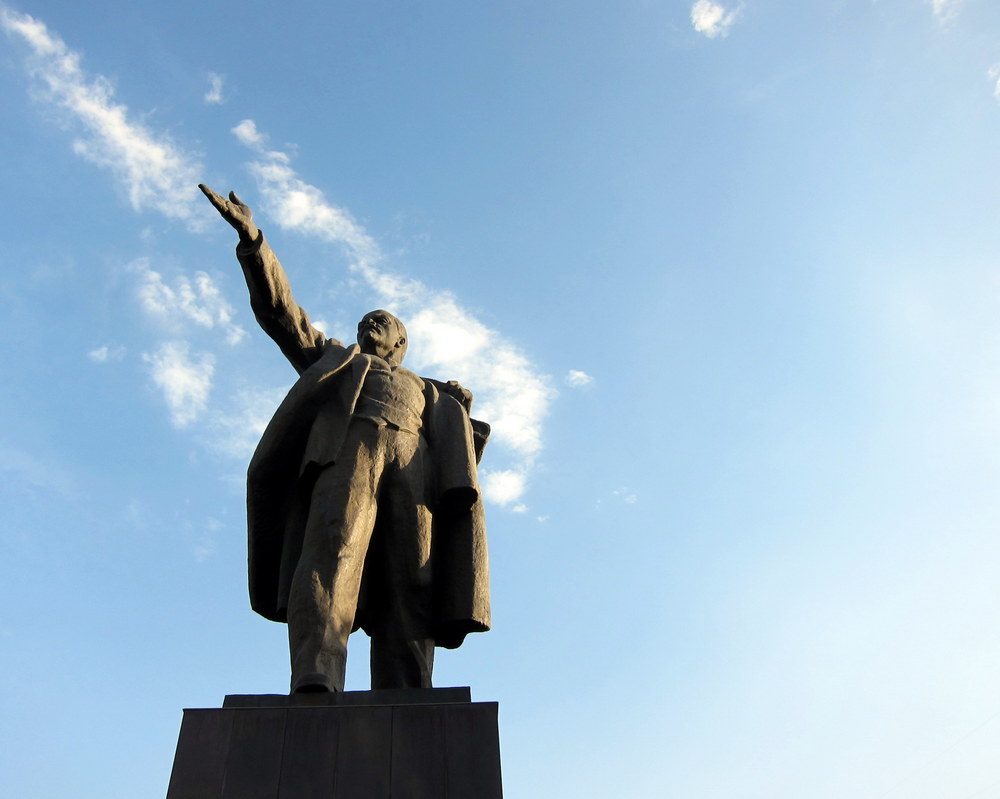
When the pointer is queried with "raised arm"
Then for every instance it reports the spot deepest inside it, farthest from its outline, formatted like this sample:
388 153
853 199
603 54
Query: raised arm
271 298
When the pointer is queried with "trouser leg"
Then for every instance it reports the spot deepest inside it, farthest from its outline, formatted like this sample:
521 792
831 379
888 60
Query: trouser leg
323 595
401 661
402 650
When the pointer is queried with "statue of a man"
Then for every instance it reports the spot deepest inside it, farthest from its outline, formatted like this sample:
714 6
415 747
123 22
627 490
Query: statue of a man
363 505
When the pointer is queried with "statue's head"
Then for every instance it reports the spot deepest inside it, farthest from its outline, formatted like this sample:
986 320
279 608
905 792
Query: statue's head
380 333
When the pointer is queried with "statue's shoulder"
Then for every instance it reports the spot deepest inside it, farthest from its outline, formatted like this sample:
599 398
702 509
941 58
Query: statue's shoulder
330 356
332 344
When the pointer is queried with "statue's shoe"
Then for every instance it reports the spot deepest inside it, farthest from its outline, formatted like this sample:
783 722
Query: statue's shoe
312 684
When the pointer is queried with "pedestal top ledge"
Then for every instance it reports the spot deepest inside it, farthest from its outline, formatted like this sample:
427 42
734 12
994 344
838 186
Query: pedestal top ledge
396 696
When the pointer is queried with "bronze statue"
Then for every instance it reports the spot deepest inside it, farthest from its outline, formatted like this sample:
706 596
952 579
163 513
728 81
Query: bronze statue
363 504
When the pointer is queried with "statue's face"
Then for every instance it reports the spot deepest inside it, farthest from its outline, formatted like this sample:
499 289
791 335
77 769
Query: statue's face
382 334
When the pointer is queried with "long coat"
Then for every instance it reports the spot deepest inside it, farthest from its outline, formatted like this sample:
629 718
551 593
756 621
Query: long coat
319 407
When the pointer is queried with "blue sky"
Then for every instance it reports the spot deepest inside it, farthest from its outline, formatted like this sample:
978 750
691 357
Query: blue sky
724 277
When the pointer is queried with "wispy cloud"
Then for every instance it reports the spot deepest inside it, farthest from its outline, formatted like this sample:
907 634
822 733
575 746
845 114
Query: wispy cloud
185 380
946 10
106 353
204 550
235 431
296 205
994 75
712 19
29 471
578 379
447 340
503 487
626 495
214 94
246 131
155 173
195 300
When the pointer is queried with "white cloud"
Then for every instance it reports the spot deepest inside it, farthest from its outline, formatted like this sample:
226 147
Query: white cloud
246 131
30 471
204 550
578 379
185 381
236 430
712 19
994 76
626 495
503 487
451 343
447 341
214 94
154 172
946 10
296 205
197 300
105 354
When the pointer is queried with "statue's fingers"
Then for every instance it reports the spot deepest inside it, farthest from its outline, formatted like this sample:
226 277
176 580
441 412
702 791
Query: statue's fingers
213 198
235 199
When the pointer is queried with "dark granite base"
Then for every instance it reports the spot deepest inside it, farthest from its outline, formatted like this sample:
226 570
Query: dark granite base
424 744
400 696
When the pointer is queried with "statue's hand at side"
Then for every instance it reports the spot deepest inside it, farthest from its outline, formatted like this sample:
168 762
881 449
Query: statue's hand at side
463 395
236 212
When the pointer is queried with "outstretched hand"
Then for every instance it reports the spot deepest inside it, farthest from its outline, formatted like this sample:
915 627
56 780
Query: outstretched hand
236 212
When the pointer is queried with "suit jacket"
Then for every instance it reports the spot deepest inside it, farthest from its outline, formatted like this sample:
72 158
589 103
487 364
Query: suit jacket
319 407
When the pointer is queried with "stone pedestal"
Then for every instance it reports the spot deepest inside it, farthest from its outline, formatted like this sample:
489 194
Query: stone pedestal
407 744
